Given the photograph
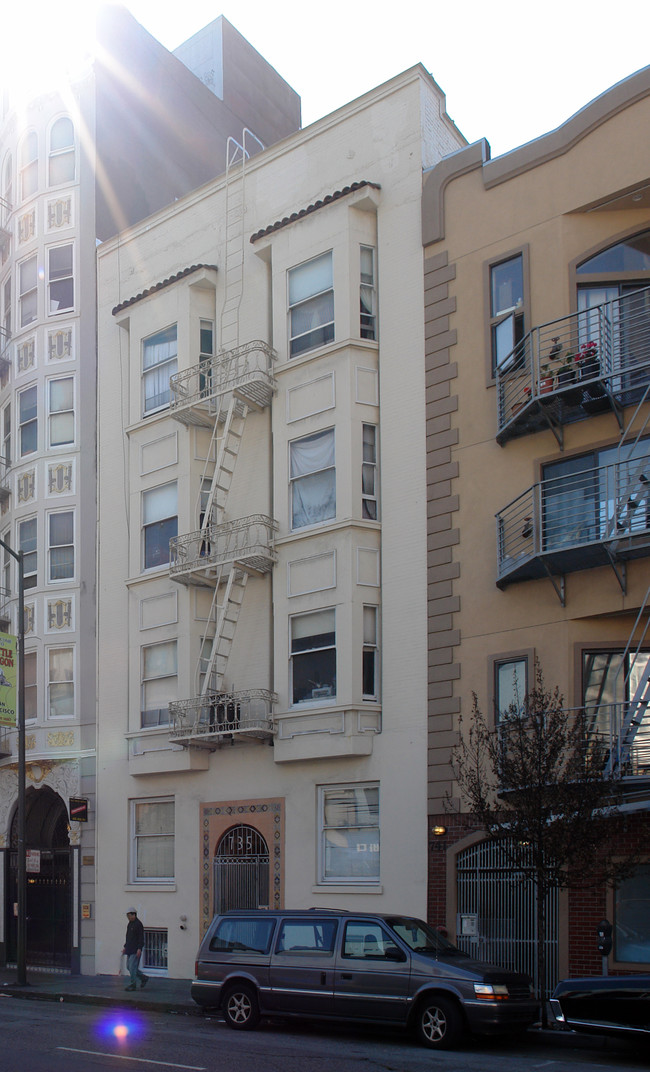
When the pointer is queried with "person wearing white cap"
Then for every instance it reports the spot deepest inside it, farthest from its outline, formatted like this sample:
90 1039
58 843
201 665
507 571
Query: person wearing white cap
133 944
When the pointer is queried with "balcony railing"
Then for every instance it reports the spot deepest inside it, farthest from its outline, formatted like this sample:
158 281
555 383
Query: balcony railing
576 521
579 365
245 542
198 394
616 737
204 721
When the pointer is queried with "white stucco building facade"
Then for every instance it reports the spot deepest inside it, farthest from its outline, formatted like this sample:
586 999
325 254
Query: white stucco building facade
262 535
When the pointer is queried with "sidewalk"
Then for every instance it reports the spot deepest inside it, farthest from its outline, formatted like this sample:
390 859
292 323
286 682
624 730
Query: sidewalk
162 994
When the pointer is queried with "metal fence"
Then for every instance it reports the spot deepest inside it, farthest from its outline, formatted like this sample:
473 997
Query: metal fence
154 954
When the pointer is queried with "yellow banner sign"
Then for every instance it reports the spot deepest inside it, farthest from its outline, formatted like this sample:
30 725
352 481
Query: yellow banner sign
8 676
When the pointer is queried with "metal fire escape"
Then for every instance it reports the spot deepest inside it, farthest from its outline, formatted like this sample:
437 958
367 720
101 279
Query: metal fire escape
222 554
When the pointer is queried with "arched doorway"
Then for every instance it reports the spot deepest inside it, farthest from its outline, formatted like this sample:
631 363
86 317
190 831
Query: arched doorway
48 893
241 870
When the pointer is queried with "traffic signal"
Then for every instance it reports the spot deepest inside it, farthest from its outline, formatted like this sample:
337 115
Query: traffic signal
604 937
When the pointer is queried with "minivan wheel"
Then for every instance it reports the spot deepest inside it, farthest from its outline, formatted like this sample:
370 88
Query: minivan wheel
240 1007
438 1023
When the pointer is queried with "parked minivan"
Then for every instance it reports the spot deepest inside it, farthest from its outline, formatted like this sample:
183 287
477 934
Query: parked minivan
354 966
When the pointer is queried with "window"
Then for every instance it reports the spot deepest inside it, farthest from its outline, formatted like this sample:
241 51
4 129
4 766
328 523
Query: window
243 935
61 546
159 362
6 312
61 682
299 936
370 660
313 479
159 507
7 191
29 166
206 356
159 682
60 281
364 940
349 833
369 473
28 420
632 918
27 292
313 657
593 496
510 687
506 310
61 412
311 305
62 162
6 572
6 434
152 840
27 543
31 694
613 691
368 294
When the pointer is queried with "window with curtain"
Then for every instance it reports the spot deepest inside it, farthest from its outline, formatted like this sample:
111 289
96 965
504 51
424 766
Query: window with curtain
311 305
61 682
159 362
369 473
370 653
313 479
28 421
159 682
507 326
349 833
313 657
160 523
61 546
152 840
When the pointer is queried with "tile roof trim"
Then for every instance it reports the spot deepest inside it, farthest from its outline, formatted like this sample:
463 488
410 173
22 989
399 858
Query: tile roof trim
352 188
160 286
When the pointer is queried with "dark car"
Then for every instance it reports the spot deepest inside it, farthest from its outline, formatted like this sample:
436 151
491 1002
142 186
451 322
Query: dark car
345 966
604 1005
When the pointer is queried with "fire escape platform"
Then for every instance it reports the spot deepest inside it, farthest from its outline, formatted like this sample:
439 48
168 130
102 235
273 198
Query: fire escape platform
204 557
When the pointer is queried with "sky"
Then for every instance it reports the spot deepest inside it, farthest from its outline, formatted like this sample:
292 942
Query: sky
511 70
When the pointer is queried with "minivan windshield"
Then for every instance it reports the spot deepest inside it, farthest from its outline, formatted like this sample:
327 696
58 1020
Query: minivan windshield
421 938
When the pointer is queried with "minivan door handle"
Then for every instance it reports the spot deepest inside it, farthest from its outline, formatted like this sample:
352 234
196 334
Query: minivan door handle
346 975
323 978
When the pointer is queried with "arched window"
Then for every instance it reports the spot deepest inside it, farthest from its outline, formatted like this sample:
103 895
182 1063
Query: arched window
28 166
62 155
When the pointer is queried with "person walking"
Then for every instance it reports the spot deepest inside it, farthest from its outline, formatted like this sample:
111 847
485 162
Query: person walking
133 944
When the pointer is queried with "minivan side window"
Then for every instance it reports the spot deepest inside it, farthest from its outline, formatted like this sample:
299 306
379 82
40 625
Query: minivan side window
306 936
369 941
243 936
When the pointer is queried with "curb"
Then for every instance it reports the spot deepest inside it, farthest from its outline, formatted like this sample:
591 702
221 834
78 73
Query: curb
168 1006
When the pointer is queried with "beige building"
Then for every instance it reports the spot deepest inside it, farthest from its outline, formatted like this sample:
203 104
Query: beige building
262 534
537 276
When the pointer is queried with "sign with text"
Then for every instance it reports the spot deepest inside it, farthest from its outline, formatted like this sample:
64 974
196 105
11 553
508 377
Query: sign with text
33 861
79 809
8 675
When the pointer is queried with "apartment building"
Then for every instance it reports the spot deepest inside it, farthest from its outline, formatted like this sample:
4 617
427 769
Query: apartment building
262 609
135 131
537 277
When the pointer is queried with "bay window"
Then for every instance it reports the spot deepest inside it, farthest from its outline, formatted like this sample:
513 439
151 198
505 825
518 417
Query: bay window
159 682
160 523
159 362
311 305
61 682
313 657
313 479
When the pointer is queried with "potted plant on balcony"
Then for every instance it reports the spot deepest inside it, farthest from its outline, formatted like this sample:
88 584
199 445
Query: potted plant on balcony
587 361
546 379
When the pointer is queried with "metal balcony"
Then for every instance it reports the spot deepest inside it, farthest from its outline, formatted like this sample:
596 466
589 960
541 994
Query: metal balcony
595 517
590 362
207 721
205 556
201 394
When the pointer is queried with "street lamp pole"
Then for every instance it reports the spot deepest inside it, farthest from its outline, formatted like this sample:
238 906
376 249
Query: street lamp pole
21 869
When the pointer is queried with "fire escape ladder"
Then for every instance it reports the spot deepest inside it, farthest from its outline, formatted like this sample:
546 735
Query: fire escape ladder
228 444
236 156
633 712
227 615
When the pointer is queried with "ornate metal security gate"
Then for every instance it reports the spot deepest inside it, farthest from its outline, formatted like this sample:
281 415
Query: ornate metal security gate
504 901
241 870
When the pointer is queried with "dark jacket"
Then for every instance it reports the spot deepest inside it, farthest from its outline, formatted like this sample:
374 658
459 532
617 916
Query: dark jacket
134 937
